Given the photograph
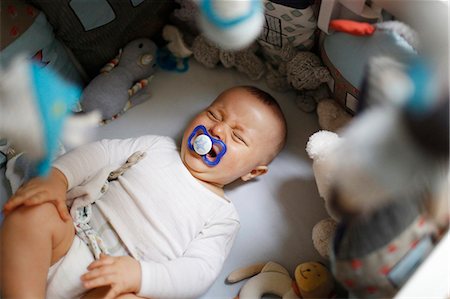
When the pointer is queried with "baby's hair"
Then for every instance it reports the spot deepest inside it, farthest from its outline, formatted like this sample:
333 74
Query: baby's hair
268 99
264 96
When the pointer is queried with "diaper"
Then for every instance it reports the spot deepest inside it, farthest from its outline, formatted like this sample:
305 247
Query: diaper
63 280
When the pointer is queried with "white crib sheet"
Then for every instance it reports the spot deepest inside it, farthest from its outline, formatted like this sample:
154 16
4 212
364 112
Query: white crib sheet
278 210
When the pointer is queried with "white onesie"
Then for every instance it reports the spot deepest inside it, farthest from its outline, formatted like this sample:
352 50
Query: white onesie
179 231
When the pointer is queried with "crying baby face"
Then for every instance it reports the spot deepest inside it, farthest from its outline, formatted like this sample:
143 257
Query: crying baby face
235 137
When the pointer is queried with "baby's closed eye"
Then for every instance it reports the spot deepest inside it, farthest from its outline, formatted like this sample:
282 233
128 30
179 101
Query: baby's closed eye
239 137
212 115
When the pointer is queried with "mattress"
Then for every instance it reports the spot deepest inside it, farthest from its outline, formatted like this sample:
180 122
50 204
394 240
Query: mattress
277 210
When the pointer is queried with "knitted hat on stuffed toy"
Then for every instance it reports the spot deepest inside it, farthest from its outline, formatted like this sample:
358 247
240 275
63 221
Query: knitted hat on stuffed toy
305 71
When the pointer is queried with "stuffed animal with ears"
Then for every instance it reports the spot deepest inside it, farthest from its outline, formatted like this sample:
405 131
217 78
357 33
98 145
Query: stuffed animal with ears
245 60
320 148
36 106
385 176
302 71
312 280
308 76
123 82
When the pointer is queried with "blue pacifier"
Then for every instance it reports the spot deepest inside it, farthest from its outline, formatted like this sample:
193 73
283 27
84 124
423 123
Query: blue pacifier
203 143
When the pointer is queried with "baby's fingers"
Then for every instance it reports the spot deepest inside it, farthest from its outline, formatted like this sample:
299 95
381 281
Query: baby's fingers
29 189
12 203
97 279
17 200
104 260
37 198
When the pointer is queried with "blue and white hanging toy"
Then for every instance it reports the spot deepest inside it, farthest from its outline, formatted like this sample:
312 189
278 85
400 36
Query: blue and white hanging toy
232 25
35 106
209 148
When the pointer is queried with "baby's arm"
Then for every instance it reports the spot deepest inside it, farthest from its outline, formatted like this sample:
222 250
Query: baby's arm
72 169
83 162
185 277
192 274
69 170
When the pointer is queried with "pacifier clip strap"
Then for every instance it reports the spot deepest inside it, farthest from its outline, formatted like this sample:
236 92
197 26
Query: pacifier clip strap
133 159
83 228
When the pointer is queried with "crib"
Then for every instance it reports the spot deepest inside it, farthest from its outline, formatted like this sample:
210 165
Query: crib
278 210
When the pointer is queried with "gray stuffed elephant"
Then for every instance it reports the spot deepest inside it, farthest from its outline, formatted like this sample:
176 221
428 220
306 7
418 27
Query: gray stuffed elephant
122 82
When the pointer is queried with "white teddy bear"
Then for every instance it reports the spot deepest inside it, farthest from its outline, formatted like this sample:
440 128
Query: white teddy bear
319 148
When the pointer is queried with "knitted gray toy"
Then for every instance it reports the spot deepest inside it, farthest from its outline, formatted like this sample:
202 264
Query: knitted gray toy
245 61
122 82
306 74
302 71
305 71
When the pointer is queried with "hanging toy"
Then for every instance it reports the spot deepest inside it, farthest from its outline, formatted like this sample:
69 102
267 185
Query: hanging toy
36 112
233 25
209 148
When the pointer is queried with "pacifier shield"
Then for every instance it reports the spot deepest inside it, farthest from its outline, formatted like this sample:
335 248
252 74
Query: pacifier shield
209 148
202 145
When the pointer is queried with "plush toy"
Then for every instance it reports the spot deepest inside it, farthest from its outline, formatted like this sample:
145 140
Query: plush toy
289 33
175 42
175 55
381 177
280 56
123 82
350 45
233 25
304 73
245 61
289 28
319 148
186 16
332 117
312 280
44 101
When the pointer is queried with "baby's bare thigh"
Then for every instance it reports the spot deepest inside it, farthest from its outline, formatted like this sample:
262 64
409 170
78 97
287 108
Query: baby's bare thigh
44 220
63 237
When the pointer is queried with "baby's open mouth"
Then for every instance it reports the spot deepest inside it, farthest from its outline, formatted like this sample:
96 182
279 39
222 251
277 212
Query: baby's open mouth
213 152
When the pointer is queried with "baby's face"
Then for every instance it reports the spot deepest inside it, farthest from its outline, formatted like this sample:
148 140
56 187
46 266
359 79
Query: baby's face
245 124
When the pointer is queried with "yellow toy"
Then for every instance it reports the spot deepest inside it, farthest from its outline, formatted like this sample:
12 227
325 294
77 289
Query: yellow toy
312 280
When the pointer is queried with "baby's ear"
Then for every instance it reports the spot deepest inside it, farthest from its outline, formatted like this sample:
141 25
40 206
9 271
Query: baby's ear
259 170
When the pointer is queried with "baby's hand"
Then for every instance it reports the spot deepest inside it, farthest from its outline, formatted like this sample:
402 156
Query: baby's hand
40 190
122 273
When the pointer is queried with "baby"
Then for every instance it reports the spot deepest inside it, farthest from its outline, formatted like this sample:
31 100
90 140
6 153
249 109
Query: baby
171 220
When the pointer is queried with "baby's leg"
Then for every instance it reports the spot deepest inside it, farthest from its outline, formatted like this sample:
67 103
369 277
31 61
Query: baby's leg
31 240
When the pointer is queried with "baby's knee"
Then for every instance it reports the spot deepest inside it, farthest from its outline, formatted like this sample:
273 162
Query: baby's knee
32 217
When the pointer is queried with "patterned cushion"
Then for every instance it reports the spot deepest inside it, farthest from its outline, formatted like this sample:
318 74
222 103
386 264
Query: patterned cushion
95 30
25 30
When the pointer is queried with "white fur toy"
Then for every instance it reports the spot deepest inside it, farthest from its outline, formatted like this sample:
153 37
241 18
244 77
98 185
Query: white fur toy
232 25
319 148
35 105
385 178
